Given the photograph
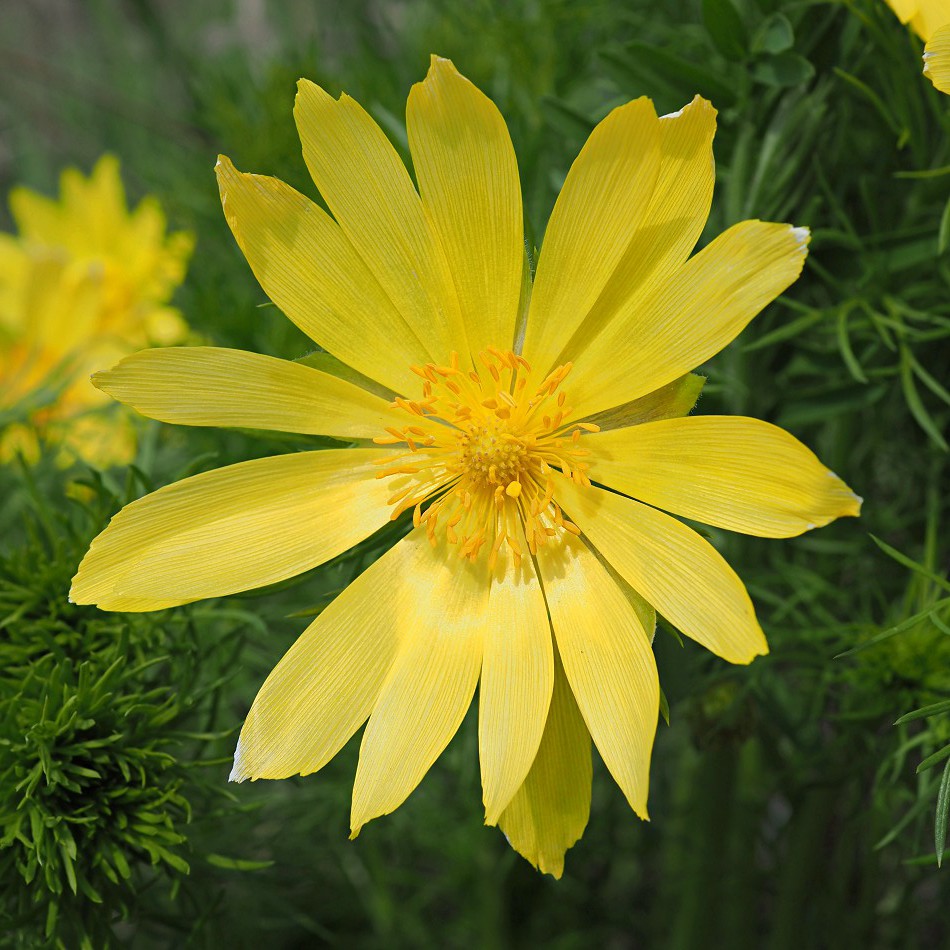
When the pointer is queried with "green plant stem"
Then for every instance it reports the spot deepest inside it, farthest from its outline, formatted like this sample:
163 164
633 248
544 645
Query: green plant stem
701 891
797 911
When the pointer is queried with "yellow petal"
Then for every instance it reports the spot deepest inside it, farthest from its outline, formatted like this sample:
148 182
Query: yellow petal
516 683
930 16
677 213
735 473
671 566
368 190
702 307
937 59
37 217
430 686
468 179
306 265
549 812
668 402
233 529
214 386
325 686
602 204
608 661
905 9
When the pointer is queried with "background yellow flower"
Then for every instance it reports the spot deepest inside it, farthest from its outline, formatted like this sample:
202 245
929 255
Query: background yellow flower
85 282
930 20
924 17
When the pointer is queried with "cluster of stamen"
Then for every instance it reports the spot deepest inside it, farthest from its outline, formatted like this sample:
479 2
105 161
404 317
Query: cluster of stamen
483 450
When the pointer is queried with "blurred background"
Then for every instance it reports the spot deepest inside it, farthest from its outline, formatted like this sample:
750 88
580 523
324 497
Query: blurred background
801 801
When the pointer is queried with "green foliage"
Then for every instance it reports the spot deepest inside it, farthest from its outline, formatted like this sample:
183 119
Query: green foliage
99 770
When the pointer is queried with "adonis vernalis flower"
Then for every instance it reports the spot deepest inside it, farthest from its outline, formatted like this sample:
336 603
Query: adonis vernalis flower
85 282
930 20
527 435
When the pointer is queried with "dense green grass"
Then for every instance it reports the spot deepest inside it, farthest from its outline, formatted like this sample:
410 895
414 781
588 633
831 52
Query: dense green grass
787 807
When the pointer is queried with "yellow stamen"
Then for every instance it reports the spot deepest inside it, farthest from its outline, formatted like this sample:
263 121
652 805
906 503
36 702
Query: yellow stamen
482 455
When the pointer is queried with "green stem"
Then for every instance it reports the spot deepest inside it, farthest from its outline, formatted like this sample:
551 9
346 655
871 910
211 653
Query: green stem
700 885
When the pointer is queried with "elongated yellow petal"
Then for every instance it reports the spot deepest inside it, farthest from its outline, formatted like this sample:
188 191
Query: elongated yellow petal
308 267
326 685
672 567
516 683
468 178
233 529
937 59
366 186
214 386
674 219
608 661
668 402
701 308
431 683
549 812
737 473
602 204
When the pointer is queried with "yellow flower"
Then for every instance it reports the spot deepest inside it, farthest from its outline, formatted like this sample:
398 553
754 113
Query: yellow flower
937 59
512 409
930 20
85 282
923 16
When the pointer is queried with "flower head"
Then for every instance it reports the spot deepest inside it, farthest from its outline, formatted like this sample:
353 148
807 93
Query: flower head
85 282
527 434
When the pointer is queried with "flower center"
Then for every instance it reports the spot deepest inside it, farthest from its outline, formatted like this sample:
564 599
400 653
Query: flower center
484 449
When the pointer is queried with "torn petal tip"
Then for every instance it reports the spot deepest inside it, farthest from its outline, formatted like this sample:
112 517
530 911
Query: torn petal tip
802 236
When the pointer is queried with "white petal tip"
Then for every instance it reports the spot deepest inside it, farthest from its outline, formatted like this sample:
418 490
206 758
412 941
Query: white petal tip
237 772
802 237
672 115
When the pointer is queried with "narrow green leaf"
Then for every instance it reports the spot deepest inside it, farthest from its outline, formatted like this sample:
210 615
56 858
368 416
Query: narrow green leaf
943 234
943 807
911 564
934 709
907 624
236 864
917 408
844 345
934 759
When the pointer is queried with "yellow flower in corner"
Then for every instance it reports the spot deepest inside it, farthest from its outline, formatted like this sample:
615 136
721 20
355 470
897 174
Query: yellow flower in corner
527 436
930 20
923 16
937 58
84 283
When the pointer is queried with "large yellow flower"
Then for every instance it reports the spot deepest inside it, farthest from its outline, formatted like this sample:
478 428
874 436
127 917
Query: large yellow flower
930 20
85 282
520 425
